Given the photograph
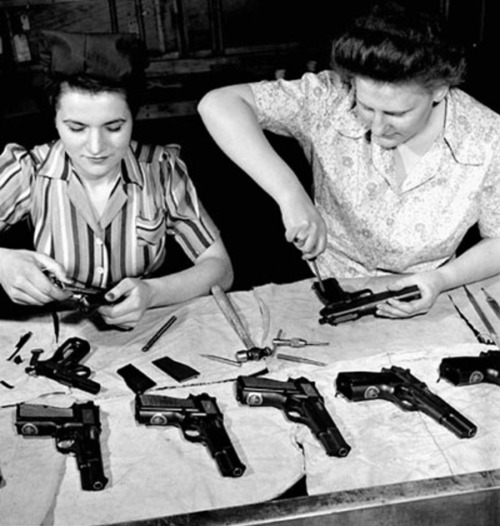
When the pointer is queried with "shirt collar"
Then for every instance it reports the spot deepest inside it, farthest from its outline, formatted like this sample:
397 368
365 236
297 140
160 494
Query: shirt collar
462 129
58 165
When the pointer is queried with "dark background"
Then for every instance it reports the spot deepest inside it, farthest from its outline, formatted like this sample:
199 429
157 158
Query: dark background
194 46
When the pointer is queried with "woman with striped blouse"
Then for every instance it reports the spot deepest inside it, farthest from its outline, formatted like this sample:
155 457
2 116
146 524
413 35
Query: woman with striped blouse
101 205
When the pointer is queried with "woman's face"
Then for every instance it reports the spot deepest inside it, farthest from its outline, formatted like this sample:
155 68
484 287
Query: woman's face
95 129
394 113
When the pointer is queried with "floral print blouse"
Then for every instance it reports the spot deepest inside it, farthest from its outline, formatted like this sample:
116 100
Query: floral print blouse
376 225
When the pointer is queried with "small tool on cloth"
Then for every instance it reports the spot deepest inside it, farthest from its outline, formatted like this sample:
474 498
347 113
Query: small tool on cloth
481 338
231 316
257 353
221 359
489 327
20 344
159 333
299 359
492 302
296 342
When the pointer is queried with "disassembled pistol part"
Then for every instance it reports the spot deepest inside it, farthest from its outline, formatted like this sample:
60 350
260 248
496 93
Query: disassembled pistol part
20 344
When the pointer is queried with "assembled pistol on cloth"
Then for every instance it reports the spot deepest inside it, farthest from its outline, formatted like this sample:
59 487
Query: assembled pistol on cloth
64 366
199 419
467 370
300 401
76 430
399 386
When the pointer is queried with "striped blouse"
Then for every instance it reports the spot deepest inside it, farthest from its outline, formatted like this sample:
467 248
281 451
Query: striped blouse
153 197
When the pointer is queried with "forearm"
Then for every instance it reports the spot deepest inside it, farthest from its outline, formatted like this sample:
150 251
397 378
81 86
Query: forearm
479 262
229 115
190 283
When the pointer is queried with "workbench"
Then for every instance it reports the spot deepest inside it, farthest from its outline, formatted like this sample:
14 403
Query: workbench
403 468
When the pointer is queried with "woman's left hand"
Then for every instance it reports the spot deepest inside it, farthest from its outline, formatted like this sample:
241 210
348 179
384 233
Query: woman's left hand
430 285
131 297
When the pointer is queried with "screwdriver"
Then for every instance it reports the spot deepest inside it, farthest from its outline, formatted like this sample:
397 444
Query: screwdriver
296 342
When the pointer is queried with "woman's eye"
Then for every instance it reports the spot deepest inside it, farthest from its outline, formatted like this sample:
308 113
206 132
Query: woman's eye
76 128
114 128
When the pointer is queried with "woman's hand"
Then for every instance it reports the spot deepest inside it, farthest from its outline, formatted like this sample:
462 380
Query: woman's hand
131 297
430 285
23 279
304 226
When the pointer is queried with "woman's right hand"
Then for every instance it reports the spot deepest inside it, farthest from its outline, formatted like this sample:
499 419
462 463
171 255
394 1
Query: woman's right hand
304 226
23 279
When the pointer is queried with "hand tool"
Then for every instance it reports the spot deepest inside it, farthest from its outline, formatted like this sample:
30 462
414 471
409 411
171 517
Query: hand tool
296 342
231 316
221 359
481 338
492 302
257 353
298 359
489 327
159 333
321 285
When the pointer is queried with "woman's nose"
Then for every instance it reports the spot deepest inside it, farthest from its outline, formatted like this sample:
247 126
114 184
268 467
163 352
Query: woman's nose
378 124
95 141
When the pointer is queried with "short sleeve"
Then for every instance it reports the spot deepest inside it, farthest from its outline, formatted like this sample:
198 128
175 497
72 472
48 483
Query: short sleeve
290 107
187 219
17 170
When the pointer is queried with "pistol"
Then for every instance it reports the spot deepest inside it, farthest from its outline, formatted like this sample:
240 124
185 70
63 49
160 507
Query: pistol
399 386
199 419
64 366
300 401
363 303
466 370
76 430
88 299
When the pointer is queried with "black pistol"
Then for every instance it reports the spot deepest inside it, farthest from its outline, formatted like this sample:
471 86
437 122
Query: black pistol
301 402
399 386
64 366
199 419
467 370
360 304
76 430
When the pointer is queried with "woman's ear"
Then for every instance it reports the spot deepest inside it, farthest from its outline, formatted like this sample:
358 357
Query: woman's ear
440 93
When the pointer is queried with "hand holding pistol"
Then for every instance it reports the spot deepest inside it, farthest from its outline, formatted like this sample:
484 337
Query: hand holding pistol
199 419
301 402
76 430
399 386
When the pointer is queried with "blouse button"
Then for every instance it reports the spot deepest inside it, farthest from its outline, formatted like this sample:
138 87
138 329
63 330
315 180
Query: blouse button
100 270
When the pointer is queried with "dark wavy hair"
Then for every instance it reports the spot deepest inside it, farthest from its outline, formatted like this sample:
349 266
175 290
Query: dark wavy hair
398 43
133 88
